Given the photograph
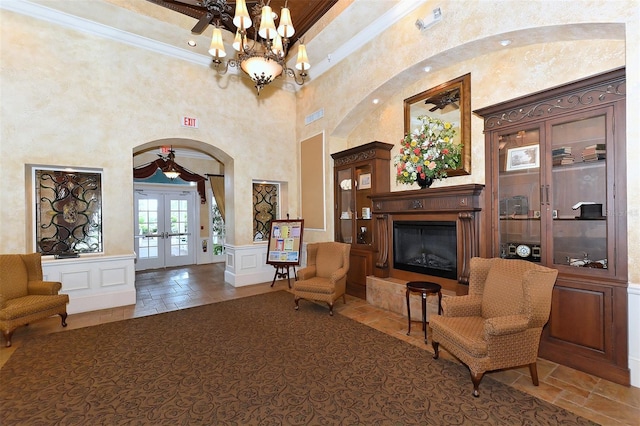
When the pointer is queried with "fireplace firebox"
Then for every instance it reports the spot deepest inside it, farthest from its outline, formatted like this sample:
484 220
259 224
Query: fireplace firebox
426 247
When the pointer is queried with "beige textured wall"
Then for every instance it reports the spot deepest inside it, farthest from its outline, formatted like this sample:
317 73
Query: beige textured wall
75 100
565 41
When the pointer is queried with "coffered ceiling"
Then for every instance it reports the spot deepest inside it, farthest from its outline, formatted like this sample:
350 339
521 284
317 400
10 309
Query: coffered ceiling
304 13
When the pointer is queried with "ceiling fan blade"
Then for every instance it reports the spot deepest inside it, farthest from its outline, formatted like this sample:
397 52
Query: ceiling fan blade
202 23
192 2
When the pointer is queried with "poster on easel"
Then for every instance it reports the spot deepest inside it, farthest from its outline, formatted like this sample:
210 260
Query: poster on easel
285 242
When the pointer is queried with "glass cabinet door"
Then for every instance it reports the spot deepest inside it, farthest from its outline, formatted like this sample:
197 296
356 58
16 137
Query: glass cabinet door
579 182
519 194
364 230
345 205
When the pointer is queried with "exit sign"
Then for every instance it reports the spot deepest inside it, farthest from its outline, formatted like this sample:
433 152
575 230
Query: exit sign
189 122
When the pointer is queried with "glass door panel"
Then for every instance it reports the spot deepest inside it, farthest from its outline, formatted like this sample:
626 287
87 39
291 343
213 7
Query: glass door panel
519 195
164 228
345 189
363 205
579 182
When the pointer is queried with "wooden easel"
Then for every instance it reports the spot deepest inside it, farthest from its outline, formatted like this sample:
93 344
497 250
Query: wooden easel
282 271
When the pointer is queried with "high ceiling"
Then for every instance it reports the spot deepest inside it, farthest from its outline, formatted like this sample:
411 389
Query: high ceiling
304 13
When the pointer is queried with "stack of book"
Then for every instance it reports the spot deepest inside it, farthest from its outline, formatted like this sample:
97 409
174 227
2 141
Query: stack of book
562 156
594 152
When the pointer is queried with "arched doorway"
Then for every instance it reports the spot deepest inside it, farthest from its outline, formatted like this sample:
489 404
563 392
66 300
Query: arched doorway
171 227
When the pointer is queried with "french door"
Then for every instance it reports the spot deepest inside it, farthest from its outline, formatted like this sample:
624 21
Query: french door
164 229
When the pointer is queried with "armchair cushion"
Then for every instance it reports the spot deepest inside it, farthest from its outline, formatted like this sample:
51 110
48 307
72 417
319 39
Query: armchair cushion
466 334
503 293
328 261
28 305
462 306
13 277
498 326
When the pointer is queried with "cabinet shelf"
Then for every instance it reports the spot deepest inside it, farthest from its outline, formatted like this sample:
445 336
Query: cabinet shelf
579 165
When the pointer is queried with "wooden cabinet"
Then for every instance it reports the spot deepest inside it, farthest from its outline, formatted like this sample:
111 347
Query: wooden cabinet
557 178
359 172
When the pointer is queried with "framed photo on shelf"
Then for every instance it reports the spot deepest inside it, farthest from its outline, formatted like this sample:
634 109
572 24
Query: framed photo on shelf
364 181
526 157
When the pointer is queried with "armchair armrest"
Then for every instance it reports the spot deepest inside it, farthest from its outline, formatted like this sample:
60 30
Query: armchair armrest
46 288
509 324
462 306
338 275
307 272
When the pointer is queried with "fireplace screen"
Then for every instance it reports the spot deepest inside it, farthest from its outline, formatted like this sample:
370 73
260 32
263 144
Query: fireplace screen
428 248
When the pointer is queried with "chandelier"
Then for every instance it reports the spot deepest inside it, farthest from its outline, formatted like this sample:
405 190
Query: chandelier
169 168
262 58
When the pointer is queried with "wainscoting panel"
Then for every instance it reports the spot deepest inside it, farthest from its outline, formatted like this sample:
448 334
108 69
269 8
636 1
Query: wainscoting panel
94 282
243 267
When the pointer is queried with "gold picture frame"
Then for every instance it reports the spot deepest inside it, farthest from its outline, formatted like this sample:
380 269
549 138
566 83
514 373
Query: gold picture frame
450 101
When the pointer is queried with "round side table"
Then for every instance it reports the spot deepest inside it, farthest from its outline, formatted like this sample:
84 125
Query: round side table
425 288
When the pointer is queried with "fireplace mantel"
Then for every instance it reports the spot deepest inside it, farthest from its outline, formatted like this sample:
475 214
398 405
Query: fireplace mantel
461 203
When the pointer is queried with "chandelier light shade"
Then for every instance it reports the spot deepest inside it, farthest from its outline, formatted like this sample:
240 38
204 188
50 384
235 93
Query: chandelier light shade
285 29
241 19
262 58
302 63
217 47
169 169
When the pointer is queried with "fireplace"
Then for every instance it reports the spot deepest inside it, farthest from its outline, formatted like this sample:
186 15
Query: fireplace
426 247
428 235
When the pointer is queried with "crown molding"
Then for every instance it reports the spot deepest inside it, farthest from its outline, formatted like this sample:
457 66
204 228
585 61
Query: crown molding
39 11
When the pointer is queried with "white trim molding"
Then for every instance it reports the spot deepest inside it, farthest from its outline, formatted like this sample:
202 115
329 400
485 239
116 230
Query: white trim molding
94 282
633 294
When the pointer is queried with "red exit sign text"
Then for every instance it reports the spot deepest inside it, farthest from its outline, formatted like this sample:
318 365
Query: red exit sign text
189 122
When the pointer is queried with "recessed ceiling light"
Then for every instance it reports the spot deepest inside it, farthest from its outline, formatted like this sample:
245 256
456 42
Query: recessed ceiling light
505 42
427 68
192 43
376 101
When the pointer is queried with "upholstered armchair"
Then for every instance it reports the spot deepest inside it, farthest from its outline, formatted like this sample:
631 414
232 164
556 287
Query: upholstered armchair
499 323
24 296
325 277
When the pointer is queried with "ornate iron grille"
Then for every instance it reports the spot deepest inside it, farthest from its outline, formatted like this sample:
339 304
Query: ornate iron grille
68 212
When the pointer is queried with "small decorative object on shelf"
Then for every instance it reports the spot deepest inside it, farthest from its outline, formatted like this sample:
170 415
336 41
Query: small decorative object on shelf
427 153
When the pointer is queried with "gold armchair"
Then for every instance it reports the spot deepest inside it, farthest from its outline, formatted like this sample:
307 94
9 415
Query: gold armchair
24 296
325 276
499 323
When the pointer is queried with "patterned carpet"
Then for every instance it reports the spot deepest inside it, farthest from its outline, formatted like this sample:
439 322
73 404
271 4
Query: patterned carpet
249 361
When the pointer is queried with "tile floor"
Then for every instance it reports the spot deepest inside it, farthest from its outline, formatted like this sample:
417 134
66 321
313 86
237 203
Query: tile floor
165 290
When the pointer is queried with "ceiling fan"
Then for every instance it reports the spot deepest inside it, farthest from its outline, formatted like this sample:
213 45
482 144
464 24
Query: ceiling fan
448 99
213 8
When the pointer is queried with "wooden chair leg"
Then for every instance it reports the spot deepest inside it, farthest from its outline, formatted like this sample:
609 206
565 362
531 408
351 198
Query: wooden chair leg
331 309
436 346
297 304
7 337
475 378
533 369
64 319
